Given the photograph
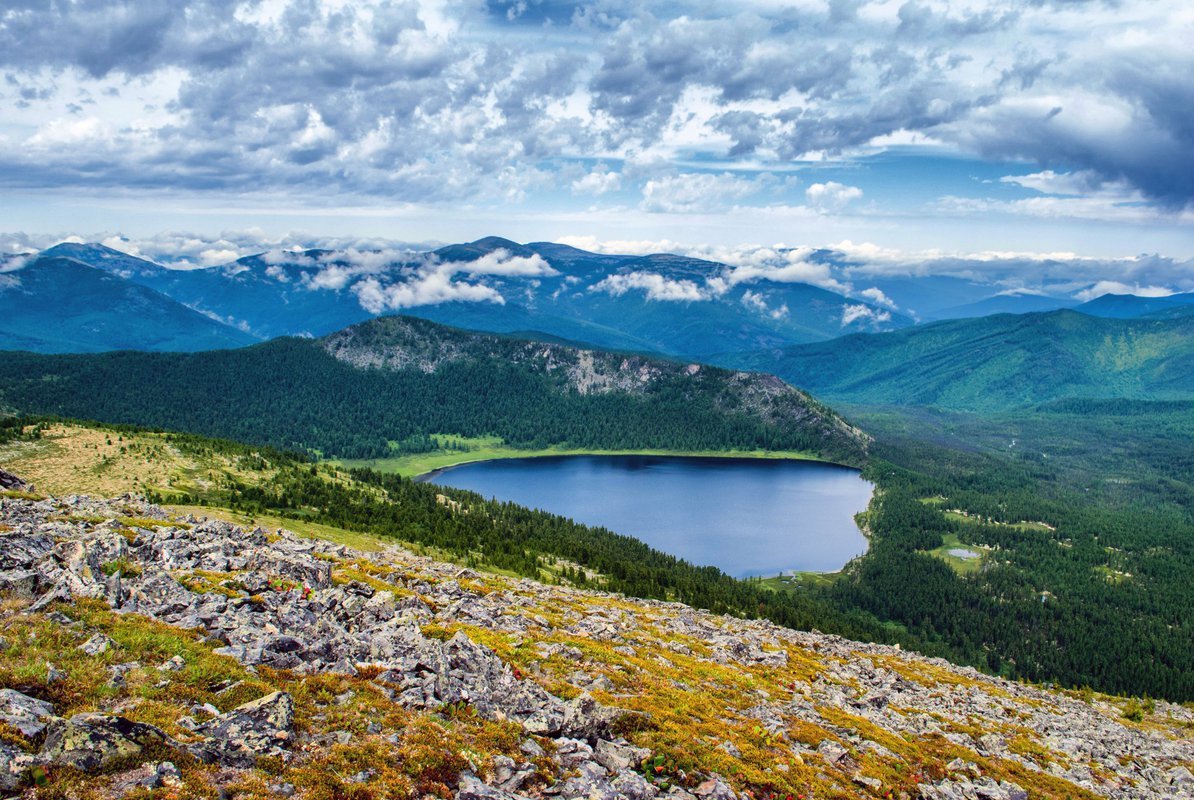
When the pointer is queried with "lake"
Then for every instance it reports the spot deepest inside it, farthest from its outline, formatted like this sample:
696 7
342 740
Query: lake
747 516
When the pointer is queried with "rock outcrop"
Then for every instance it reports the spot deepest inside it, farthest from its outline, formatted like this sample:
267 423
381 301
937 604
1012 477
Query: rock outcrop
579 673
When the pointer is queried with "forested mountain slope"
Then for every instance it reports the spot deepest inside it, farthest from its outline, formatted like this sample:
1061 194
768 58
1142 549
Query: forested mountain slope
997 363
364 391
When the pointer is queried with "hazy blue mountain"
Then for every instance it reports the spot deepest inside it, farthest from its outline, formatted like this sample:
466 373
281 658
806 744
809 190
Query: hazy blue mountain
996 363
59 305
1127 306
923 296
1003 304
612 301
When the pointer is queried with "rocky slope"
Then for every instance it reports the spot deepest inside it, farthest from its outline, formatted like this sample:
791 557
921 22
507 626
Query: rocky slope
194 658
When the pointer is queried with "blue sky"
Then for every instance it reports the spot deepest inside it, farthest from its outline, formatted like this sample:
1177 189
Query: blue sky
920 130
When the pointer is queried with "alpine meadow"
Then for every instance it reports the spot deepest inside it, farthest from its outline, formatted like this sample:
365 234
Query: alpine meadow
607 400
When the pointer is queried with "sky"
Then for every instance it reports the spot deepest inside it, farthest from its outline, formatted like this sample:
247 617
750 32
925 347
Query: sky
917 131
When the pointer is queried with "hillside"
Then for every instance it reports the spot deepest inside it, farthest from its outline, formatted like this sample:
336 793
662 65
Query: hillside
383 387
997 363
60 305
370 671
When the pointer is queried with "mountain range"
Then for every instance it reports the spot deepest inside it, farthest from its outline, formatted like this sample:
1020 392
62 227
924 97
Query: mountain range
661 303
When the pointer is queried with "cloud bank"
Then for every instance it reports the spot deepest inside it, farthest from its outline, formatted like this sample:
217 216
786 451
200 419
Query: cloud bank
496 102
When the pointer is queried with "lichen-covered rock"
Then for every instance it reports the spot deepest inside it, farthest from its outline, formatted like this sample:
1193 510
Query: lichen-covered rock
94 741
261 727
27 714
473 788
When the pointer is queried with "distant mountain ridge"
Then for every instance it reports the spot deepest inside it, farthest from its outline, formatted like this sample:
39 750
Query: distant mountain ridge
997 363
57 304
664 303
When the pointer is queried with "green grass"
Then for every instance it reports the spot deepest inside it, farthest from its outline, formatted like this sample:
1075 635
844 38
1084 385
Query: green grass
967 519
489 448
783 583
962 566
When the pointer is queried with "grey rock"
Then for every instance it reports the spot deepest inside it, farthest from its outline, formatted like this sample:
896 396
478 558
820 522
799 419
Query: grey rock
258 728
631 785
20 583
472 788
14 766
12 483
94 741
97 644
27 714
714 788
619 757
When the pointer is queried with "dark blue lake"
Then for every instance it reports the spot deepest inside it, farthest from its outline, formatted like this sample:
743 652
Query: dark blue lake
746 516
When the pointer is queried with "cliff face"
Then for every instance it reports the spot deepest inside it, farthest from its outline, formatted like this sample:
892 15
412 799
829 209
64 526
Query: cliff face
189 655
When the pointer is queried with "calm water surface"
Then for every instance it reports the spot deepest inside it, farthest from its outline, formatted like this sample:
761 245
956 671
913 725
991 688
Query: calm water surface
746 516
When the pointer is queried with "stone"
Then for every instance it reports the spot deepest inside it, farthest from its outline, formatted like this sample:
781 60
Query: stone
473 788
12 483
20 583
617 757
714 788
258 728
27 714
94 741
15 764
97 644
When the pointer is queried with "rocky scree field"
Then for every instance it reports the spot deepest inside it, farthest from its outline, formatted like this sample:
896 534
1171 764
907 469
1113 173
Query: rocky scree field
148 654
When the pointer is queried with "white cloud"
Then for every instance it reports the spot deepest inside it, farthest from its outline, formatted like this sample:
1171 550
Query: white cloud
857 313
831 196
430 288
757 302
876 296
695 192
15 263
655 286
1082 182
598 182
1116 287
500 262
276 272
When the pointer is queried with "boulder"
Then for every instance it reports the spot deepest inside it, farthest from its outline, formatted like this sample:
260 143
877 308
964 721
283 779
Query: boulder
27 714
93 741
258 728
14 766
473 788
12 483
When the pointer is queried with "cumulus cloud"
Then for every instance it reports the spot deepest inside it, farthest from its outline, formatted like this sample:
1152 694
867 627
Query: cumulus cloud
500 262
430 288
653 285
876 296
599 181
757 302
831 196
865 314
444 102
